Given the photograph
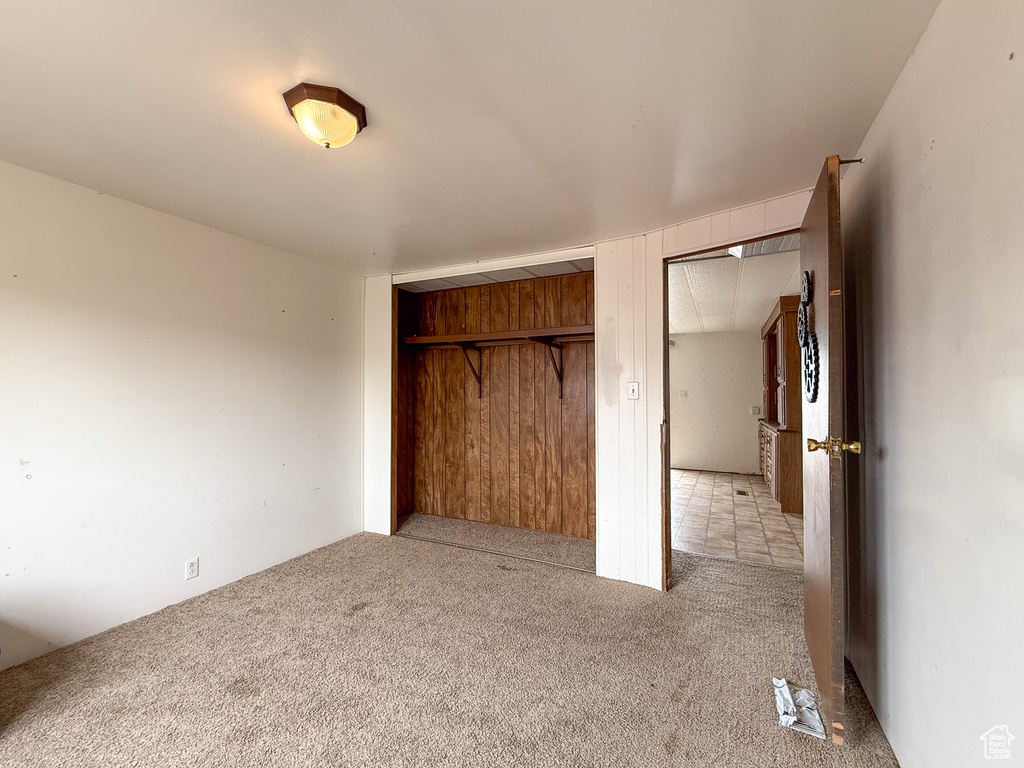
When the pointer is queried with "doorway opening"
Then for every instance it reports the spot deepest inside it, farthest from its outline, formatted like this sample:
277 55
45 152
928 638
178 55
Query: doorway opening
494 412
733 403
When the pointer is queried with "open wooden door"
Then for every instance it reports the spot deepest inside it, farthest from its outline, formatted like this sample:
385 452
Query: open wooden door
666 508
822 336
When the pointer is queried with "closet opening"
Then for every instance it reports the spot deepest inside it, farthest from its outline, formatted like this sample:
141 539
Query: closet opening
493 412
733 403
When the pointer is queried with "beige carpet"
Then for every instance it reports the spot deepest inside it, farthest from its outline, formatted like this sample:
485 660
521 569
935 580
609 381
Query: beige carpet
556 548
397 652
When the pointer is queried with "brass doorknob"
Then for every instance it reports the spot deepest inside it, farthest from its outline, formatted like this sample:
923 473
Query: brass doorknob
833 445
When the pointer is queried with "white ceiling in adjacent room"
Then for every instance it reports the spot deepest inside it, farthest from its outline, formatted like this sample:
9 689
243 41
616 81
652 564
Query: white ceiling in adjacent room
493 128
729 294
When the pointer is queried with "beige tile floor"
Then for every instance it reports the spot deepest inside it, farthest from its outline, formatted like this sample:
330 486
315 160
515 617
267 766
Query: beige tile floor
709 517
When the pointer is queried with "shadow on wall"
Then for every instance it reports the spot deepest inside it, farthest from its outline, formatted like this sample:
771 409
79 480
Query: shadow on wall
163 317
19 645
18 692
13 639
861 225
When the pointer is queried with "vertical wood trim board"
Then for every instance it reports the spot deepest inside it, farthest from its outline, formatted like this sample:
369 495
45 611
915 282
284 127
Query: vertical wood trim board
518 456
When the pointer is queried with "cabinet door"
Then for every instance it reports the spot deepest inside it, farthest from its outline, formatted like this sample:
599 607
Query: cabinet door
761 446
769 377
790 384
780 371
766 367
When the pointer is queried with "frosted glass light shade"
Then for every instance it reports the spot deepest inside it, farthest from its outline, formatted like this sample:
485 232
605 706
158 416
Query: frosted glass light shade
328 116
327 124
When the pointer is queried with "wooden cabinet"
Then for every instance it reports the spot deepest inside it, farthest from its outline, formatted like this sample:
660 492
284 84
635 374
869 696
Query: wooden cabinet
780 429
770 358
769 437
782 365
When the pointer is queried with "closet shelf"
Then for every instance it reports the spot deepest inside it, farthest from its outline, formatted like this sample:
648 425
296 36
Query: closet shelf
552 338
547 336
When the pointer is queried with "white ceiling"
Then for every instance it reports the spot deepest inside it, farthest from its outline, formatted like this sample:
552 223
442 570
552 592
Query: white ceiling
494 128
729 294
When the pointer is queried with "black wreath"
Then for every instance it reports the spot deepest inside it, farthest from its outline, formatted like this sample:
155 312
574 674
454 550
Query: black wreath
811 368
806 288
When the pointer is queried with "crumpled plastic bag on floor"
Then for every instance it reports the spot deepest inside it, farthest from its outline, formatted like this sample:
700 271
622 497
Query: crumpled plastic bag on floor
797 709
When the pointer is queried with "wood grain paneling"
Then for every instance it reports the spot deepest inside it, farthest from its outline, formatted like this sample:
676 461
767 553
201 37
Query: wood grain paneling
473 406
540 412
573 305
527 440
527 411
553 470
421 469
591 433
403 403
485 409
499 434
435 428
574 442
513 437
455 434
518 455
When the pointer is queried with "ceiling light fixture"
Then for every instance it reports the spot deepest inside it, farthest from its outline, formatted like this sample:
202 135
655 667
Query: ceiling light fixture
328 116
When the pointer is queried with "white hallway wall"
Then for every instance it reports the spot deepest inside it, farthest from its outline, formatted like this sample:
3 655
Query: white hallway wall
711 424
166 391
934 222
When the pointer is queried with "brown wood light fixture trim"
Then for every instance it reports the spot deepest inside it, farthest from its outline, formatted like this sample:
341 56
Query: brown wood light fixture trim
325 94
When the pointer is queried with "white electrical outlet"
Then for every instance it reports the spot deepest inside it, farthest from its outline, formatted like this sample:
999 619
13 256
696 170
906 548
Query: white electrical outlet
191 569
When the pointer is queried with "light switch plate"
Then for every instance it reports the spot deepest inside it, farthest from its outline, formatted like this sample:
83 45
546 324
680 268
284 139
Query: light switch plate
633 390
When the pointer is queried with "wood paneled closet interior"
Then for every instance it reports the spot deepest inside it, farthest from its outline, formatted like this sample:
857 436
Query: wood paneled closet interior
493 414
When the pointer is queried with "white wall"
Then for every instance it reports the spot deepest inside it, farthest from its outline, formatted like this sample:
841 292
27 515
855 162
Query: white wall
628 536
166 391
935 223
377 354
711 424
629 290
